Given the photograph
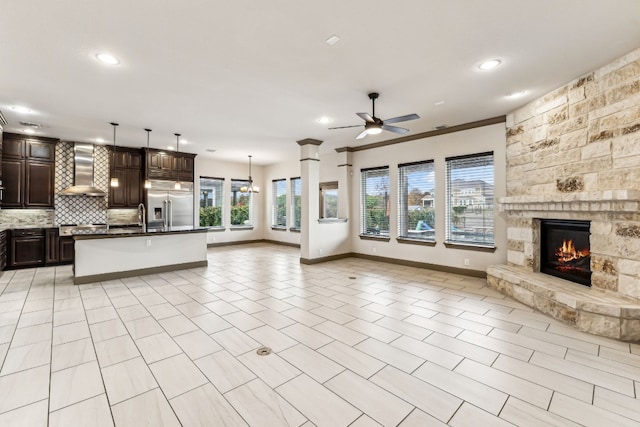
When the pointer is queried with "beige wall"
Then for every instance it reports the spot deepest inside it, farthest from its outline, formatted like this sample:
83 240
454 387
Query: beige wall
340 238
487 138
279 171
214 168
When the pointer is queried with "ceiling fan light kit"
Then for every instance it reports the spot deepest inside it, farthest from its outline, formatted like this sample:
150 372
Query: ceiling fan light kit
373 125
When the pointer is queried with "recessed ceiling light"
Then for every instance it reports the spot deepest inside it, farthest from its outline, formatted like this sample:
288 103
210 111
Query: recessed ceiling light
439 103
171 147
100 140
324 120
440 127
516 94
210 150
332 40
490 64
21 109
108 58
29 131
184 141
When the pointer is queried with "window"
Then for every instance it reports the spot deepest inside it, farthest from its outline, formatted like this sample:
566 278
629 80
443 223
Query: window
296 203
240 203
416 201
211 201
470 199
329 200
279 203
374 201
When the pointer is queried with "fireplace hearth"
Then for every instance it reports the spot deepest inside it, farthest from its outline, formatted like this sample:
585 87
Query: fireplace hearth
565 250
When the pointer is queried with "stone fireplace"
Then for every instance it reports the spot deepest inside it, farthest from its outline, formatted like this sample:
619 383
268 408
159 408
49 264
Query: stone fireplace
574 155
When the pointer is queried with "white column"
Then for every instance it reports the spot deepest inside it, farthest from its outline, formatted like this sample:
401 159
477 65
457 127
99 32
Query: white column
345 179
310 199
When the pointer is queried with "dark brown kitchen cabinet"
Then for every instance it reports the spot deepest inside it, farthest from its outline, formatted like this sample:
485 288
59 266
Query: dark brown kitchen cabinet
58 249
3 249
27 248
159 164
13 182
2 122
169 165
28 165
18 146
51 245
39 183
183 166
13 146
66 250
126 165
127 159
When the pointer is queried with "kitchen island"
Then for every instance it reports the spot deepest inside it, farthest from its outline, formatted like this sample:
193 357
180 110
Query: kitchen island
115 254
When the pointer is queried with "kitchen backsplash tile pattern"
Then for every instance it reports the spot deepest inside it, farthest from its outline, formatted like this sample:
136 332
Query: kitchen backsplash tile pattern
80 209
122 216
25 218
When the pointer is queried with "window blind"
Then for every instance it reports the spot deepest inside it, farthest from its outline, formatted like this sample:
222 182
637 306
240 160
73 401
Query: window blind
374 201
279 203
211 214
416 200
296 203
470 195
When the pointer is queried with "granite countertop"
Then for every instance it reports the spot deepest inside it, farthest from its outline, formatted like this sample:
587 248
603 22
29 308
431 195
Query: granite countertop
102 234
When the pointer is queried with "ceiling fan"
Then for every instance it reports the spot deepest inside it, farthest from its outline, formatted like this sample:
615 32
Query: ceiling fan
374 125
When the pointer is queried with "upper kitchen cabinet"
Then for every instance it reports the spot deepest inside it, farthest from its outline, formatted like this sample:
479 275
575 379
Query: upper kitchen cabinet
169 165
28 165
124 158
183 166
126 164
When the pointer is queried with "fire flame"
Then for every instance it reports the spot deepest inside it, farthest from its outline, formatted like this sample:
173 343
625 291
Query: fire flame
568 252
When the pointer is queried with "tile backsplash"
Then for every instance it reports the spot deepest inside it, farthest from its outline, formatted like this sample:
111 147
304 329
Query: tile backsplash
80 209
21 218
72 209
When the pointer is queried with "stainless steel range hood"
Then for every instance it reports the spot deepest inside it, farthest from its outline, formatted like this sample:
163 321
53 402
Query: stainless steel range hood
83 184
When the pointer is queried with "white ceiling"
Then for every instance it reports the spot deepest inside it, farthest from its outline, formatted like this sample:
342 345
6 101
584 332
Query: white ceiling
252 77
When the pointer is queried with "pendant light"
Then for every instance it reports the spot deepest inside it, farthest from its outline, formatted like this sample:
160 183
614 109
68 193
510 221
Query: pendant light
147 181
177 185
251 188
114 179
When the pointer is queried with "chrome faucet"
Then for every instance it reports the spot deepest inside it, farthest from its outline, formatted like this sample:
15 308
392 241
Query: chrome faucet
142 217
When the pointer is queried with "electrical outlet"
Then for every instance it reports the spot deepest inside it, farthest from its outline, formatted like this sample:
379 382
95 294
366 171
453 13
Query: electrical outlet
374 250
466 262
148 242
321 250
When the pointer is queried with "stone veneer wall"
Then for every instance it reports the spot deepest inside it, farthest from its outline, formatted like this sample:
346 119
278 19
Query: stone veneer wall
575 154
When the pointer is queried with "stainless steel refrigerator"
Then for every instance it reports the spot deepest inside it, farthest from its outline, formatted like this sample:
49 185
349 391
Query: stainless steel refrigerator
170 208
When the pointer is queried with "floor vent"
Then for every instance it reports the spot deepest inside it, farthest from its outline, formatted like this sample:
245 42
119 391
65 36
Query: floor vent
263 351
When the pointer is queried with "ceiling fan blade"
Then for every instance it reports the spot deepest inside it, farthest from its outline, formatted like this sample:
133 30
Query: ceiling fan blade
362 134
366 117
345 127
403 118
395 129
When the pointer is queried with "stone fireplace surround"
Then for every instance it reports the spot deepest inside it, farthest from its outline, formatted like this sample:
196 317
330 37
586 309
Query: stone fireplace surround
604 309
574 154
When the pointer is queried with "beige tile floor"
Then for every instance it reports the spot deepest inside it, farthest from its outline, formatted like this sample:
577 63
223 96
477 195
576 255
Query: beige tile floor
355 343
